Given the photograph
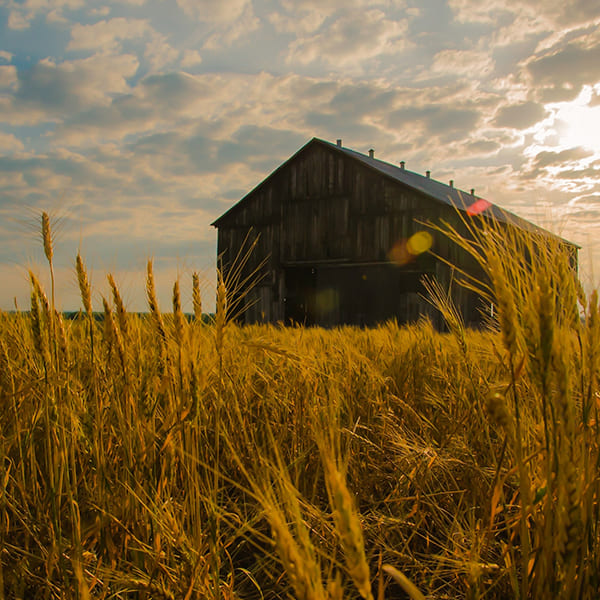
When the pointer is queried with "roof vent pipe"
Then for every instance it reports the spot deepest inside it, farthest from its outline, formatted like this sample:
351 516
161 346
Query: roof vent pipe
371 153
452 183
402 163
339 143
428 174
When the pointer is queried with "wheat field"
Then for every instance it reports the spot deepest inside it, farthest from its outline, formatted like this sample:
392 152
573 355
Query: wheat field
161 456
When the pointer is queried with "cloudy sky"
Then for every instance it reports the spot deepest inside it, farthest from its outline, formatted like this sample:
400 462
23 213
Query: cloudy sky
135 123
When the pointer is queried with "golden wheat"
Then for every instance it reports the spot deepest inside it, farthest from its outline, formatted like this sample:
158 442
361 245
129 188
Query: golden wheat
288 461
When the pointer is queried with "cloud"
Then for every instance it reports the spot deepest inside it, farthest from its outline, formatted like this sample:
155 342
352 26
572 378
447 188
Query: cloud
553 12
363 98
22 13
436 120
10 143
482 147
560 72
107 35
548 159
5 56
298 24
590 173
302 17
178 91
50 90
177 99
352 38
463 62
159 53
100 12
595 98
191 58
229 34
213 11
519 116
472 11
8 77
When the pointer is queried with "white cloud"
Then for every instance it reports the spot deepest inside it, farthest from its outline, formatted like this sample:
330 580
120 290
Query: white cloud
107 35
18 21
8 77
94 80
227 35
351 39
191 58
463 62
5 56
302 17
10 143
159 53
100 12
22 13
555 13
559 73
50 91
297 24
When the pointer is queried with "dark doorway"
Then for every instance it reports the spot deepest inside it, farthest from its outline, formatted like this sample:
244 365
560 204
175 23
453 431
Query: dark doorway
300 288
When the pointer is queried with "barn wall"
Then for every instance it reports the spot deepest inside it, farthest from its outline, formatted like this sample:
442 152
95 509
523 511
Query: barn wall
327 212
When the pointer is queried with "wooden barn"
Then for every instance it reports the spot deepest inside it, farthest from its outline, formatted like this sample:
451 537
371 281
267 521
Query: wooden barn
334 231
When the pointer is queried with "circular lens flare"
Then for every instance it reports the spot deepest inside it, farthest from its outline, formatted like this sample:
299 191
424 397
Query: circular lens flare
405 251
418 243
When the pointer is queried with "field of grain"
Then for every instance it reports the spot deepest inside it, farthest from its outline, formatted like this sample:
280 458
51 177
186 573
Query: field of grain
160 456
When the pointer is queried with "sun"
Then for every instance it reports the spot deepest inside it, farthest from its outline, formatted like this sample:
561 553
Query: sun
574 124
578 125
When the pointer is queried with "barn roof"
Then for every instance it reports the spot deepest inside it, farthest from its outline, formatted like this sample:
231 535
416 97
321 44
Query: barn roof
430 187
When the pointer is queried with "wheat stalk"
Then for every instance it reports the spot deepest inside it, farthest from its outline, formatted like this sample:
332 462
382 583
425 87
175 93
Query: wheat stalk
178 318
196 298
84 285
153 305
347 525
119 306
221 314
301 569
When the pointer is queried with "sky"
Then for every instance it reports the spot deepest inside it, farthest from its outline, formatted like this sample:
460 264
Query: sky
136 123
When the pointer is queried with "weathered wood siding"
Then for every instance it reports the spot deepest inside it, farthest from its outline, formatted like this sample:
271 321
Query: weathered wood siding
332 214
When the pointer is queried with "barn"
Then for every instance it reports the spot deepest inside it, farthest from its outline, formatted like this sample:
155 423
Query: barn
333 230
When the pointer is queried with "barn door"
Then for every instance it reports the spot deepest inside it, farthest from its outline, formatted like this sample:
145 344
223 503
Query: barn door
300 289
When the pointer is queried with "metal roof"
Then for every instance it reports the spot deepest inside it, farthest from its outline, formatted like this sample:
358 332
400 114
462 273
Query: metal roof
441 192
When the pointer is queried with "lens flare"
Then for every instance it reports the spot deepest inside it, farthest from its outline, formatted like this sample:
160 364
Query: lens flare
478 207
405 251
399 254
418 243
327 301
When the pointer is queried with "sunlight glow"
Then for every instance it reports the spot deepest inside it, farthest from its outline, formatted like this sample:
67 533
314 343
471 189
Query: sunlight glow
564 147
578 124
574 124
